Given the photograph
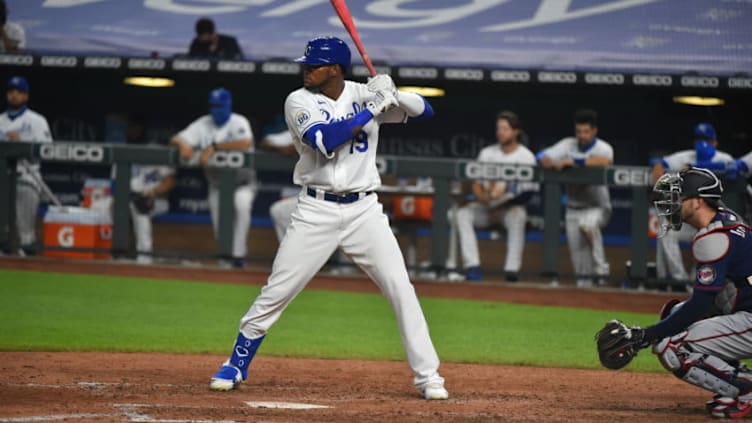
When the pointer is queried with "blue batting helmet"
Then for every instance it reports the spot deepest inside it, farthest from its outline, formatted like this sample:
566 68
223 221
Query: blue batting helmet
18 83
705 131
326 51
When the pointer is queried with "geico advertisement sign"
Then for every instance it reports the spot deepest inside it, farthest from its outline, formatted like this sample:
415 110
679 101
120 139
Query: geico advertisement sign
631 177
72 152
231 159
499 171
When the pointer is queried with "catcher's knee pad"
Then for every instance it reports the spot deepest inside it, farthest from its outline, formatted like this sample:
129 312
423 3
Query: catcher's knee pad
703 370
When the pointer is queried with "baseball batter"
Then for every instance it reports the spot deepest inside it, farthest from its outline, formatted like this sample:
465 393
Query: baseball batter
668 260
588 206
703 339
497 200
335 125
223 130
21 124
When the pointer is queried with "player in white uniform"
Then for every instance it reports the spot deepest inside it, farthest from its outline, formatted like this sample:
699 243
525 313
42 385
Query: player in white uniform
21 124
223 130
668 257
149 186
335 124
12 35
588 206
504 201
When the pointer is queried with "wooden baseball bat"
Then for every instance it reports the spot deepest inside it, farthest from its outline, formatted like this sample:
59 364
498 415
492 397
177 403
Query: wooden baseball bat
344 15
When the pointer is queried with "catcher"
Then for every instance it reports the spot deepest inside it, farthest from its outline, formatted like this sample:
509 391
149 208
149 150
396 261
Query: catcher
700 340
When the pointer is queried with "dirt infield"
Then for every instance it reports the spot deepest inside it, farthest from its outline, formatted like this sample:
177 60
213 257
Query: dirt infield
139 387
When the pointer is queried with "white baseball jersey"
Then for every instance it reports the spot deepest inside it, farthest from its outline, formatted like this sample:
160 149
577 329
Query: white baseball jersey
203 132
747 159
148 177
685 158
30 127
521 155
15 32
353 167
580 195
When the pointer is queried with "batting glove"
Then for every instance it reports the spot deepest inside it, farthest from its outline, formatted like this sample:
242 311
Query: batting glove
382 82
383 101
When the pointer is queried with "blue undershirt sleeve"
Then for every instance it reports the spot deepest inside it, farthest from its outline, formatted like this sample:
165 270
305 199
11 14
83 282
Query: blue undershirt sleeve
335 134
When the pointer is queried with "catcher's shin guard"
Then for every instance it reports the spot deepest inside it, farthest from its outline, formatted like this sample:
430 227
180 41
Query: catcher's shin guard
703 370
235 370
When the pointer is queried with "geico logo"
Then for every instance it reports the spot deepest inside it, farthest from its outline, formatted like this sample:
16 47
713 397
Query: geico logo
59 61
361 70
699 81
241 67
72 152
464 74
102 62
191 65
65 236
407 205
631 177
653 80
423 73
495 171
283 68
604 78
233 159
146 64
740 82
16 60
510 76
381 165
557 77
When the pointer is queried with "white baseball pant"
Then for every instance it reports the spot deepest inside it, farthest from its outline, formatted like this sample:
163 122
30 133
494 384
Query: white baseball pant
243 203
281 213
142 229
362 231
583 227
476 215
27 203
668 256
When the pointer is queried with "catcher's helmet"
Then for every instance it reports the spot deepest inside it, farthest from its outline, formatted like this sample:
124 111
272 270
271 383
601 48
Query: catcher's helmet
326 51
673 188
704 132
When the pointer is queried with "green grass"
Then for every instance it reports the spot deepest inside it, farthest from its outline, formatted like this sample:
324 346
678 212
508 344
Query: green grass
52 311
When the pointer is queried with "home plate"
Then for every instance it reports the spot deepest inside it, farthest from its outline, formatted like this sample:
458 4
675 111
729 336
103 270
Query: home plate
285 405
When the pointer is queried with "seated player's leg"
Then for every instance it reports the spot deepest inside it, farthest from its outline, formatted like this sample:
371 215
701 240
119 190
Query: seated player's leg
468 218
243 203
579 250
591 221
514 223
27 203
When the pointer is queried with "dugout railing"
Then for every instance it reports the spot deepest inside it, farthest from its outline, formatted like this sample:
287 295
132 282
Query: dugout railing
442 172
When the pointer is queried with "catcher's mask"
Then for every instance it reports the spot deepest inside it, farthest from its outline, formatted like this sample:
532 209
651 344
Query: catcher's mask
673 188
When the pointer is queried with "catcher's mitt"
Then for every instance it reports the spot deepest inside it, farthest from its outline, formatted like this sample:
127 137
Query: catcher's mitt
144 204
618 344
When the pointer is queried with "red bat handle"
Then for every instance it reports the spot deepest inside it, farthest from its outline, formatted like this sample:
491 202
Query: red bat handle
344 15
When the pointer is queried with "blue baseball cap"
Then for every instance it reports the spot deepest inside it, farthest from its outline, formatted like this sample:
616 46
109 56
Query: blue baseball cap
220 97
705 131
18 83
326 51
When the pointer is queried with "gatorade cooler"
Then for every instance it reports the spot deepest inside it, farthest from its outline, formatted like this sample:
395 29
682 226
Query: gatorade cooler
77 227
95 191
413 207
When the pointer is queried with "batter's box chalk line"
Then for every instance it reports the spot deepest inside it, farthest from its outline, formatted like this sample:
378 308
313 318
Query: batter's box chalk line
284 405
